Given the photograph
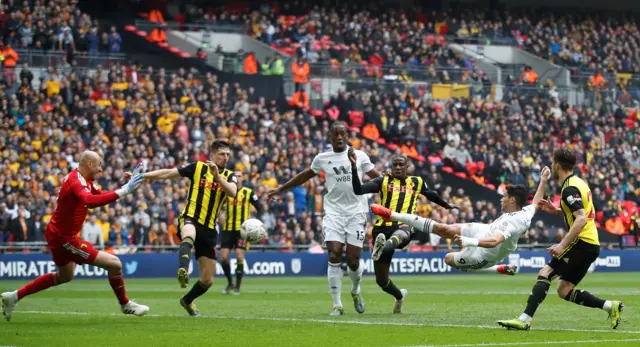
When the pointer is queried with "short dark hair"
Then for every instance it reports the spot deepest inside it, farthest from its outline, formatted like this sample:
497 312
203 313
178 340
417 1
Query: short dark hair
566 157
338 124
519 192
219 144
402 156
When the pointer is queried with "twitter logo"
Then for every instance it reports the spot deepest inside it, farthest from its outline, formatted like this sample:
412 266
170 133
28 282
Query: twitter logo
131 267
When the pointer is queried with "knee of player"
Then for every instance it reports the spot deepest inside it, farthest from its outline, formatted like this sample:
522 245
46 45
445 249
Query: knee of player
335 258
564 290
449 259
64 278
115 265
207 282
382 281
224 258
354 265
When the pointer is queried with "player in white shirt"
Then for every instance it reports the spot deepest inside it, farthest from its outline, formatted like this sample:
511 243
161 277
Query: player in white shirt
487 244
345 212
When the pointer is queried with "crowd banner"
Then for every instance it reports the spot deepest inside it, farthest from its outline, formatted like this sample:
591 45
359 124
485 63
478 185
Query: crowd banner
260 264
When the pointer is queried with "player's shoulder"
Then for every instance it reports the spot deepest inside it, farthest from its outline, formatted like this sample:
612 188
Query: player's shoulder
360 152
326 155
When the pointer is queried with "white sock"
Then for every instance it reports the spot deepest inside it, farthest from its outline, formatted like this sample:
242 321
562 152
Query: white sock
356 277
526 318
334 274
607 305
420 223
492 269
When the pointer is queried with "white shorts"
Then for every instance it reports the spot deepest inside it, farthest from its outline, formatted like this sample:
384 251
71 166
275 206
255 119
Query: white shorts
345 229
474 258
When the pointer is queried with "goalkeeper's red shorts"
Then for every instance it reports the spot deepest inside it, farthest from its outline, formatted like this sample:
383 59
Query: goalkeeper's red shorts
74 251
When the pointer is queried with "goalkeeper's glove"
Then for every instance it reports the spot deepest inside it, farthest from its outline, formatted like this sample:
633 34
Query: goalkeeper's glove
132 185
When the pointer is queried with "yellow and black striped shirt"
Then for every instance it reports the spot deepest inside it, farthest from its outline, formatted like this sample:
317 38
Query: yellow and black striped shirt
238 208
206 197
576 195
400 195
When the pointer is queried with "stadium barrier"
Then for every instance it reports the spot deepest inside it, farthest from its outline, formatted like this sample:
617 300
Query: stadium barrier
262 264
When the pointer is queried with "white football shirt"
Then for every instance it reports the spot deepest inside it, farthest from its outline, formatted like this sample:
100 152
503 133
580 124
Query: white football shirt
512 226
340 198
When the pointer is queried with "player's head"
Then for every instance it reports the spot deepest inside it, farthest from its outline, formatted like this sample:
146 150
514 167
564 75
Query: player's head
220 152
399 166
90 165
240 176
514 198
564 160
339 136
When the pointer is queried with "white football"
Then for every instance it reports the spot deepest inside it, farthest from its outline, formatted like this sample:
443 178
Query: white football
252 230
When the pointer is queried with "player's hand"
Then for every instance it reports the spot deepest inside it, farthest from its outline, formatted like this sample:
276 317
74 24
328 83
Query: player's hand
352 156
213 167
546 205
556 250
133 184
457 240
138 169
545 174
273 194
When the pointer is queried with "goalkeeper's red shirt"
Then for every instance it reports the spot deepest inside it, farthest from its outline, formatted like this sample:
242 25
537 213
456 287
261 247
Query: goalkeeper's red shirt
77 195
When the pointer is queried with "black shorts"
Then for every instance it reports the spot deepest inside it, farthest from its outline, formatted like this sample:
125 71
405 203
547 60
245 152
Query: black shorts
575 263
230 239
205 242
388 232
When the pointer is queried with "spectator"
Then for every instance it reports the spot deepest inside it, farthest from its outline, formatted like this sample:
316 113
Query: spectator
141 223
92 232
115 41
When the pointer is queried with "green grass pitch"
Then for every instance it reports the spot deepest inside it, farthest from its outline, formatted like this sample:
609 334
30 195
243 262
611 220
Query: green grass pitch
441 310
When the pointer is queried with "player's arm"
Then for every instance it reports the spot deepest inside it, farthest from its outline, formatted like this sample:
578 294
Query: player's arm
166 174
256 204
94 200
538 199
360 188
486 242
573 199
230 186
434 197
299 179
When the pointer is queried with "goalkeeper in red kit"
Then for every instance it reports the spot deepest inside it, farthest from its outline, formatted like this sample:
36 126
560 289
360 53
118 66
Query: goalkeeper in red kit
77 194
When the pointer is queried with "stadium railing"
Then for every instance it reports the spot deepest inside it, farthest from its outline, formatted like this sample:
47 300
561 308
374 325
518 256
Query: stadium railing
148 26
54 58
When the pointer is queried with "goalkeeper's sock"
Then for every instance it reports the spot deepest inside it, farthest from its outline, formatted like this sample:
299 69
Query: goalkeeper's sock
420 223
117 284
239 272
196 291
184 252
226 267
39 284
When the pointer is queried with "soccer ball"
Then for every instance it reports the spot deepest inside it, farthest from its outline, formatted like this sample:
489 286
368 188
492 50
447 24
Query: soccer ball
252 230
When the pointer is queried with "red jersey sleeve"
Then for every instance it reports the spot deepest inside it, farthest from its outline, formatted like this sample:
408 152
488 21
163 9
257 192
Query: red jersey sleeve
92 200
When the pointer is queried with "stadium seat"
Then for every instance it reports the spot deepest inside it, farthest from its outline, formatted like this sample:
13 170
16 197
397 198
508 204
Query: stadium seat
447 169
381 141
490 186
392 146
461 175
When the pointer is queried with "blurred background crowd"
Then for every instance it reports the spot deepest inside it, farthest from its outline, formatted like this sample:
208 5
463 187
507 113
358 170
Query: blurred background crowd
131 113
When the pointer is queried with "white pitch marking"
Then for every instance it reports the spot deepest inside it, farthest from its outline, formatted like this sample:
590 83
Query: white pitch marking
527 343
335 321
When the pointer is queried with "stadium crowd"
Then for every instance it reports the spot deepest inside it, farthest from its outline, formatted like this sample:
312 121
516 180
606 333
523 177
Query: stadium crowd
164 120
56 25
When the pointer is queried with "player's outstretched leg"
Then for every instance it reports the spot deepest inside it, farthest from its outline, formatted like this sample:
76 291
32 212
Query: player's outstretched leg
184 256
537 296
417 222
10 299
567 291
207 268
113 265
